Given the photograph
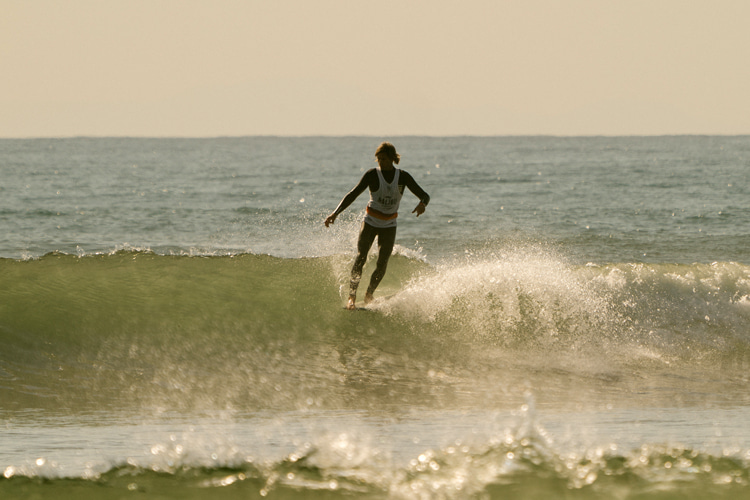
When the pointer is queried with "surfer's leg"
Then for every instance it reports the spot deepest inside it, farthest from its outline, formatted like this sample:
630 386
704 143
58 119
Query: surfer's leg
386 240
366 237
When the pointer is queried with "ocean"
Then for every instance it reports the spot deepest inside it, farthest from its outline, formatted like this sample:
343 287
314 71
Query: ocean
570 318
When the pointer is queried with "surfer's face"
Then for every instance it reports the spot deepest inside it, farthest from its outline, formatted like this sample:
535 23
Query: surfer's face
384 160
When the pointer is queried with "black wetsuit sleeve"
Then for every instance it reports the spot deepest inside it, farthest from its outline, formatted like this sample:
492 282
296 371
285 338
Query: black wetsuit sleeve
352 195
415 188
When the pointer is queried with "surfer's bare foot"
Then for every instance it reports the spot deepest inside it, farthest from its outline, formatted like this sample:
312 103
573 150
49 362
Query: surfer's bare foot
368 298
350 305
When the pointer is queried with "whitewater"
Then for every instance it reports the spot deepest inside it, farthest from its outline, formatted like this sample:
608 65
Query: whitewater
569 319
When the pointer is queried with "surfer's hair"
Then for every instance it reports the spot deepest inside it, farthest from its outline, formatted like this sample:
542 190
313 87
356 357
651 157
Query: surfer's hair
389 150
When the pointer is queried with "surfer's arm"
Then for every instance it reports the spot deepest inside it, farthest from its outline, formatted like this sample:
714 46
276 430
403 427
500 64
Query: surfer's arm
350 197
420 193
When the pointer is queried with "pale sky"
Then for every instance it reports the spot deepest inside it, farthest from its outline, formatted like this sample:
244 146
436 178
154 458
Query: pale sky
350 67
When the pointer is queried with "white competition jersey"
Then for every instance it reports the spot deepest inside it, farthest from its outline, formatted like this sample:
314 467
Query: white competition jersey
385 200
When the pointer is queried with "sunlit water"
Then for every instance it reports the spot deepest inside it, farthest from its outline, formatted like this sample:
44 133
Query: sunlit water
569 318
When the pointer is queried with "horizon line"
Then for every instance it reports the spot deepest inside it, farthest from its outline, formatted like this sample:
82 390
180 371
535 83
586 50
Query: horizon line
344 136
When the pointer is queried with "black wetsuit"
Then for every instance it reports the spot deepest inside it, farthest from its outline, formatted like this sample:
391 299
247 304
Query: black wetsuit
386 236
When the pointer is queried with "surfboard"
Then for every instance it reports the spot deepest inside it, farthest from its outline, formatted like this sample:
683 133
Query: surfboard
378 300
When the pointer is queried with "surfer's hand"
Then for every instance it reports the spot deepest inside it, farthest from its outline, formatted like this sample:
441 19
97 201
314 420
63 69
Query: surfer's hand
330 219
420 209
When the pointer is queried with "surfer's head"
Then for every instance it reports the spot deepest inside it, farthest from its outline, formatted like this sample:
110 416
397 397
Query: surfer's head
388 152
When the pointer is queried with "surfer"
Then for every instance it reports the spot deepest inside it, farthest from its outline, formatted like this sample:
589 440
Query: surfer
386 184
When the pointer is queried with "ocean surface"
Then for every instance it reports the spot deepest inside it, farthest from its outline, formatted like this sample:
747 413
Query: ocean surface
570 318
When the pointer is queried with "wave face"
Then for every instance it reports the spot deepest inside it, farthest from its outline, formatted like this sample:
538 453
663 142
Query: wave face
254 345
252 331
